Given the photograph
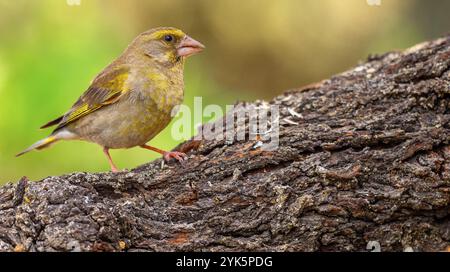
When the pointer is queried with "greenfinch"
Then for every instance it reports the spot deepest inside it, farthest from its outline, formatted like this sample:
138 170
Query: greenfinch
132 99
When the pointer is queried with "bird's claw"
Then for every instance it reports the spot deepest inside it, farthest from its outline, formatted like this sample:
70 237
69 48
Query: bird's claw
179 156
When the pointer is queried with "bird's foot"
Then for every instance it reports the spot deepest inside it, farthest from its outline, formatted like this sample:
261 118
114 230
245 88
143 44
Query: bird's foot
179 156
168 155
111 163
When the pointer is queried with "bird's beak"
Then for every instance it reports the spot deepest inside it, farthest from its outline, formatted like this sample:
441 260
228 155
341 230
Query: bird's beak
189 47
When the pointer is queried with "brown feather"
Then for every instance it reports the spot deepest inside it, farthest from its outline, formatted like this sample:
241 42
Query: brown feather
52 123
106 89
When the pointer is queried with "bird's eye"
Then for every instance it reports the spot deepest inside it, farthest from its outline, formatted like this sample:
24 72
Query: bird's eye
168 38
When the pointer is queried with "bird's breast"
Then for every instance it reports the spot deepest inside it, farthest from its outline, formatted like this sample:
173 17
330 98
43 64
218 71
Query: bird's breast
166 92
156 94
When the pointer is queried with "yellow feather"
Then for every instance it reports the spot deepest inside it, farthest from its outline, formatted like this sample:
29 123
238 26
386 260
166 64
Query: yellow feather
39 145
161 33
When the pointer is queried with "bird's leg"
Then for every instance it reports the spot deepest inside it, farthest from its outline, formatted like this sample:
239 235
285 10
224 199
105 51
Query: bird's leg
167 155
111 163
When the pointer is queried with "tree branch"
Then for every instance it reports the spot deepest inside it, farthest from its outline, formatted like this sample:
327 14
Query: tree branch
363 157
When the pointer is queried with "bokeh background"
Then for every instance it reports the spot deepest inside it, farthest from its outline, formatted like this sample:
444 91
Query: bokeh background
51 50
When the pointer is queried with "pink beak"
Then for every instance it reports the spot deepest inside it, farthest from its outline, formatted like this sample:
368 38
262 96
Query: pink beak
189 47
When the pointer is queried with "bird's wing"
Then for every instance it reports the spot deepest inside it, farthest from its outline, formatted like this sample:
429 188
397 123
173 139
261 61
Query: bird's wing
106 89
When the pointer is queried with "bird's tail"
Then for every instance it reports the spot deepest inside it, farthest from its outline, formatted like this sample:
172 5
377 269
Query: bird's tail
44 143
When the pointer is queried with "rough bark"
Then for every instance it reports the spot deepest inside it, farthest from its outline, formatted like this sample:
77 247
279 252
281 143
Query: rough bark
364 158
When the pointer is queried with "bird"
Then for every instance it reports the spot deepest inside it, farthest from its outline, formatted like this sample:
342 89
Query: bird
131 100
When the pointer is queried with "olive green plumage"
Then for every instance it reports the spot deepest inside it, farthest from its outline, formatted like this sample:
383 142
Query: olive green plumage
131 100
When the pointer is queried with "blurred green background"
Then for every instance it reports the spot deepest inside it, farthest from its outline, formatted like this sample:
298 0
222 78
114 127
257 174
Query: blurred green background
50 51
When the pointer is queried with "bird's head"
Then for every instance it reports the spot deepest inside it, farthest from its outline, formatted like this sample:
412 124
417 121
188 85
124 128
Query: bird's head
166 45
